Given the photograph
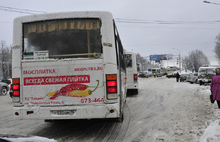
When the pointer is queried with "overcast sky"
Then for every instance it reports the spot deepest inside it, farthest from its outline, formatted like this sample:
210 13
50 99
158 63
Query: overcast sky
152 26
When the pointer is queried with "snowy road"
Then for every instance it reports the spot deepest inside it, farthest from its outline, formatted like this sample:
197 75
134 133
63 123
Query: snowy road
164 110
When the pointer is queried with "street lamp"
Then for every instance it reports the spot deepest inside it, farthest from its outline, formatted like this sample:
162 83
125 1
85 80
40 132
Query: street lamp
210 2
179 58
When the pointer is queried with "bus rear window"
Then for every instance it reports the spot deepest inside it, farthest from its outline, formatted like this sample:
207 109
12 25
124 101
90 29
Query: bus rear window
68 38
128 60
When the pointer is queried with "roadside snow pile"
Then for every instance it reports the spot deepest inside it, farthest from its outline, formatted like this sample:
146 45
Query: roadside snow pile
212 133
24 138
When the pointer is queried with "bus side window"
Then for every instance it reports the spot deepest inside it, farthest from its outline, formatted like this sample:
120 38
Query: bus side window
116 43
119 50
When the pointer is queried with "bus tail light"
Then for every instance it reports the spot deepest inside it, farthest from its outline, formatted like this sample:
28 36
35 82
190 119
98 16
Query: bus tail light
111 85
16 89
135 78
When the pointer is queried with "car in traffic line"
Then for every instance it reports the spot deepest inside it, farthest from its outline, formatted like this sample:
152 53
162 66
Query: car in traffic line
188 77
4 88
183 77
150 74
192 78
159 74
173 75
142 74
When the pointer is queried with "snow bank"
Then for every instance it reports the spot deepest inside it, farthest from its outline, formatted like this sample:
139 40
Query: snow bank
28 139
212 133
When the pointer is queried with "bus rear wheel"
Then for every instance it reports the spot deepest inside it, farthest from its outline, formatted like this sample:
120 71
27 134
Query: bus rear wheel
135 91
121 118
4 91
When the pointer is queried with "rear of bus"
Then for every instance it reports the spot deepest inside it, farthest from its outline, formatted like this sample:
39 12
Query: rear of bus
131 73
66 66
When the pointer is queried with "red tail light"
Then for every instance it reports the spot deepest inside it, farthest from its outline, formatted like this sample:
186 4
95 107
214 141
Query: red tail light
112 90
135 77
16 87
111 83
111 86
16 93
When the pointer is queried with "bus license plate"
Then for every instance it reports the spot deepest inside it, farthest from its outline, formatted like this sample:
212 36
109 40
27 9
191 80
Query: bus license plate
63 112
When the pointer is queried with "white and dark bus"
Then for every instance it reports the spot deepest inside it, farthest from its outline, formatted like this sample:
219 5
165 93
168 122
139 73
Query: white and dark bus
68 65
155 70
131 73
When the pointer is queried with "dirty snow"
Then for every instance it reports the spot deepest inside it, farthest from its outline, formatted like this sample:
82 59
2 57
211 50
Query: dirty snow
28 139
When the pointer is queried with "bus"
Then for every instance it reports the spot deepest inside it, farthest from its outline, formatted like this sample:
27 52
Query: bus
131 73
155 70
68 65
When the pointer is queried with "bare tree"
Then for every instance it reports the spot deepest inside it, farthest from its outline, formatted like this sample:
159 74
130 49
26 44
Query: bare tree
6 59
145 64
195 60
217 47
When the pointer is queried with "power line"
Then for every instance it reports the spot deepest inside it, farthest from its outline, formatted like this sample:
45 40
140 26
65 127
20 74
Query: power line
22 9
139 21
19 10
194 28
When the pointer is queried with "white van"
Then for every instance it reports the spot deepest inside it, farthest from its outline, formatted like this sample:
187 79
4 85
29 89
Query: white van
131 73
205 74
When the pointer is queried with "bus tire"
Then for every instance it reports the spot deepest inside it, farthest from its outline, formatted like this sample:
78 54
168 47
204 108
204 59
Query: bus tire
135 91
49 120
200 83
121 118
4 91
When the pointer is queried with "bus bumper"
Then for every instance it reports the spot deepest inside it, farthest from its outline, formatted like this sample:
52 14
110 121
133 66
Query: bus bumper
132 86
67 112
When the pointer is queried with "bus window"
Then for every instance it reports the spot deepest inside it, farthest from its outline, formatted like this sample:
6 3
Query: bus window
67 38
128 60
119 51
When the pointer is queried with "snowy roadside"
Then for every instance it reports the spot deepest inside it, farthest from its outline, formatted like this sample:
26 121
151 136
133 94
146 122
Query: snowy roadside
195 118
212 132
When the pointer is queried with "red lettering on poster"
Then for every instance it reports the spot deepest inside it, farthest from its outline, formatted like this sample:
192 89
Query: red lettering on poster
45 71
88 100
49 80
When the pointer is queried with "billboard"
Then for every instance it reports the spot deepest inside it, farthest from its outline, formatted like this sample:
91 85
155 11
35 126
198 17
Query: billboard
161 57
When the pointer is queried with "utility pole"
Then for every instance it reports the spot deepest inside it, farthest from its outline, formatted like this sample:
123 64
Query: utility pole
179 59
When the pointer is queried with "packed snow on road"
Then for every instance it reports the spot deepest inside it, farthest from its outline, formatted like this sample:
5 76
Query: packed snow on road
163 110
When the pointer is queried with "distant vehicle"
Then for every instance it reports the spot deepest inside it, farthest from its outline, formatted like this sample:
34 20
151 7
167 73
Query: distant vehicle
188 77
164 71
9 82
169 68
150 74
143 74
173 75
6 81
4 88
159 74
155 70
183 77
205 74
131 72
193 78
